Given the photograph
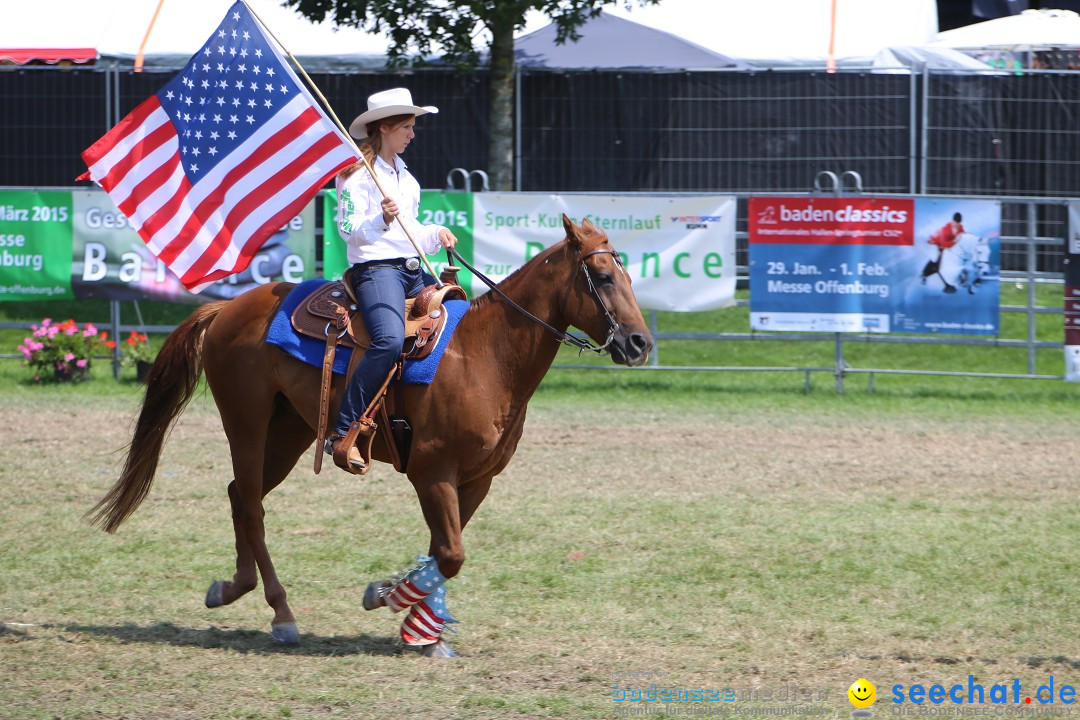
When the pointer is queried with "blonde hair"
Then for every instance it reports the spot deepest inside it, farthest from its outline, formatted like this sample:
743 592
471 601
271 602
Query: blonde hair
372 144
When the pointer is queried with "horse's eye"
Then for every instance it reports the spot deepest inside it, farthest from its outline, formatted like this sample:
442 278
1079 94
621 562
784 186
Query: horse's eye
603 278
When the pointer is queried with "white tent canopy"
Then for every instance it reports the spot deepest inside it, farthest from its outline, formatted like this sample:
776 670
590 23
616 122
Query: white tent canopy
1030 29
917 59
767 32
116 28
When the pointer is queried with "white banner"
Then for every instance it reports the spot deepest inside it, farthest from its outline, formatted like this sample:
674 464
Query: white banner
679 251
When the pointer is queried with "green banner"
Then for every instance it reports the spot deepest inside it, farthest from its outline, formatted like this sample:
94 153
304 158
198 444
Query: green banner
35 245
452 210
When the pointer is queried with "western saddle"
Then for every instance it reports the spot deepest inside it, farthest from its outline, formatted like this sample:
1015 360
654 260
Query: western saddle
330 313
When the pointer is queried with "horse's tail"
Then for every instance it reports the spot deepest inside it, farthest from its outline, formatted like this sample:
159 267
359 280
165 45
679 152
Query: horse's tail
169 386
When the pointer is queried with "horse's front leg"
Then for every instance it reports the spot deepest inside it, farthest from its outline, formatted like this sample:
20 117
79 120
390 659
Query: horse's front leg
422 589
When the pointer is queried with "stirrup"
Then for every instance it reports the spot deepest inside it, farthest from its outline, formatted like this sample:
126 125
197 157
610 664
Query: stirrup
346 454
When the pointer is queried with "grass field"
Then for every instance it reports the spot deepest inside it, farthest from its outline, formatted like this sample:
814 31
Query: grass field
690 529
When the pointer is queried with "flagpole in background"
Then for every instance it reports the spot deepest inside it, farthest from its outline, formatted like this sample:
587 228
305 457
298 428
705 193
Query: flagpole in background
142 45
329 109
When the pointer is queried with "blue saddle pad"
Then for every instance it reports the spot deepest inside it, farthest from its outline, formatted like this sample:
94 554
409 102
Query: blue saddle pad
310 350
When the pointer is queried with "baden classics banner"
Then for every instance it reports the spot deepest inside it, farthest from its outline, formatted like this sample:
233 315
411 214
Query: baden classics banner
866 264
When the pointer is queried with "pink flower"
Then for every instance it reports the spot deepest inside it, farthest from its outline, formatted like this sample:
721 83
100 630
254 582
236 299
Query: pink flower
46 322
27 353
40 331
71 329
69 357
90 330
52 331
81 362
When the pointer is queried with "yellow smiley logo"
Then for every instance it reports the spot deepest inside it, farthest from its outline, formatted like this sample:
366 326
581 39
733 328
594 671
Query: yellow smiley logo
862 693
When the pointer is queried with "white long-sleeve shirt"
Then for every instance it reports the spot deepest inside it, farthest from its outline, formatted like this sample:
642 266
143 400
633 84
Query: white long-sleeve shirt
360 216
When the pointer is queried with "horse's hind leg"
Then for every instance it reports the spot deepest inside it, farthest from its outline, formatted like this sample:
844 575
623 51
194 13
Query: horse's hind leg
287 439
259 465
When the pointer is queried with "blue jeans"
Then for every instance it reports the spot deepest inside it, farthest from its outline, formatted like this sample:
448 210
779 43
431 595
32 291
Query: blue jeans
381 287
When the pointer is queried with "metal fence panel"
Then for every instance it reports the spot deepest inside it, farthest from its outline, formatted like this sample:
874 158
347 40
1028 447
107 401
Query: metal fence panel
714 131
48 117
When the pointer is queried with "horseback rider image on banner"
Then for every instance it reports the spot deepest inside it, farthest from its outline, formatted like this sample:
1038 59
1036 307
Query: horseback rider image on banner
385 270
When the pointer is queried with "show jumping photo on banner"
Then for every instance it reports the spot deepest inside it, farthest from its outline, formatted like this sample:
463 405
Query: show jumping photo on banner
953 273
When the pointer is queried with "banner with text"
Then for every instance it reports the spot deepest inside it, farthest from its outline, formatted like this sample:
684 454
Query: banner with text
679 251
1072 295
871 264
35 245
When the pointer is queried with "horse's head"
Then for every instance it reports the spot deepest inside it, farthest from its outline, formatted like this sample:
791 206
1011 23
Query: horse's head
599 299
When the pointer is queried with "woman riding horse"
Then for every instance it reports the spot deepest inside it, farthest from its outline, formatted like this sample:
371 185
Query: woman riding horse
504 344
385 268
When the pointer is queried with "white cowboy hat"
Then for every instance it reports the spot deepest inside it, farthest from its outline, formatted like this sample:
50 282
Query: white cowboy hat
387 103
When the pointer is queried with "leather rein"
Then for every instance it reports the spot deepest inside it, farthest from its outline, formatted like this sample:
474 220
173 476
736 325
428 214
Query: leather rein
566 338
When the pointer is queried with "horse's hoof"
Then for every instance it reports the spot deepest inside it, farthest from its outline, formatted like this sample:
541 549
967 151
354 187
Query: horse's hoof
285 633
373 598
215 596
438 650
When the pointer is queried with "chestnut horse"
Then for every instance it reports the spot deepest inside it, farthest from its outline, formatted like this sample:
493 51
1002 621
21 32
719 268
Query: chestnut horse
466 423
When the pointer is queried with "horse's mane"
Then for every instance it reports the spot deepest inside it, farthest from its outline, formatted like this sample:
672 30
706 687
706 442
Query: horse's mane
589 242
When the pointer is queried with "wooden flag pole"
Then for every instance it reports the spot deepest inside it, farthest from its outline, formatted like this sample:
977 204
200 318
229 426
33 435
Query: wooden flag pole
416 246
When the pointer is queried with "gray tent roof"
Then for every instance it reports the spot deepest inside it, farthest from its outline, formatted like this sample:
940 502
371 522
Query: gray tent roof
610 42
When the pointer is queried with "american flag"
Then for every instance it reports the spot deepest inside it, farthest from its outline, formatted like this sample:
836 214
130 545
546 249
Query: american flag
219 159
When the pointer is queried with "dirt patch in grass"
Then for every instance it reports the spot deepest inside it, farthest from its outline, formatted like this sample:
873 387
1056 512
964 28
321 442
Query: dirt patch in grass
751 553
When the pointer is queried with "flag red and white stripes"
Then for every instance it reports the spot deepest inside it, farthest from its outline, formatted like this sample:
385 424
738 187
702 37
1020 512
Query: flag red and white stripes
403 595
421 626
224 155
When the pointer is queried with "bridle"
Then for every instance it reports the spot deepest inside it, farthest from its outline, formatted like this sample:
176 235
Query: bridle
582 344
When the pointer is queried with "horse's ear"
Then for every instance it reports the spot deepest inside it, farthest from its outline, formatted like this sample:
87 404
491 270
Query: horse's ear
587 226
573 233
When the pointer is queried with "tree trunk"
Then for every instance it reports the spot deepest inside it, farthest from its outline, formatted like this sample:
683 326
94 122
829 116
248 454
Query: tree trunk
501 114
